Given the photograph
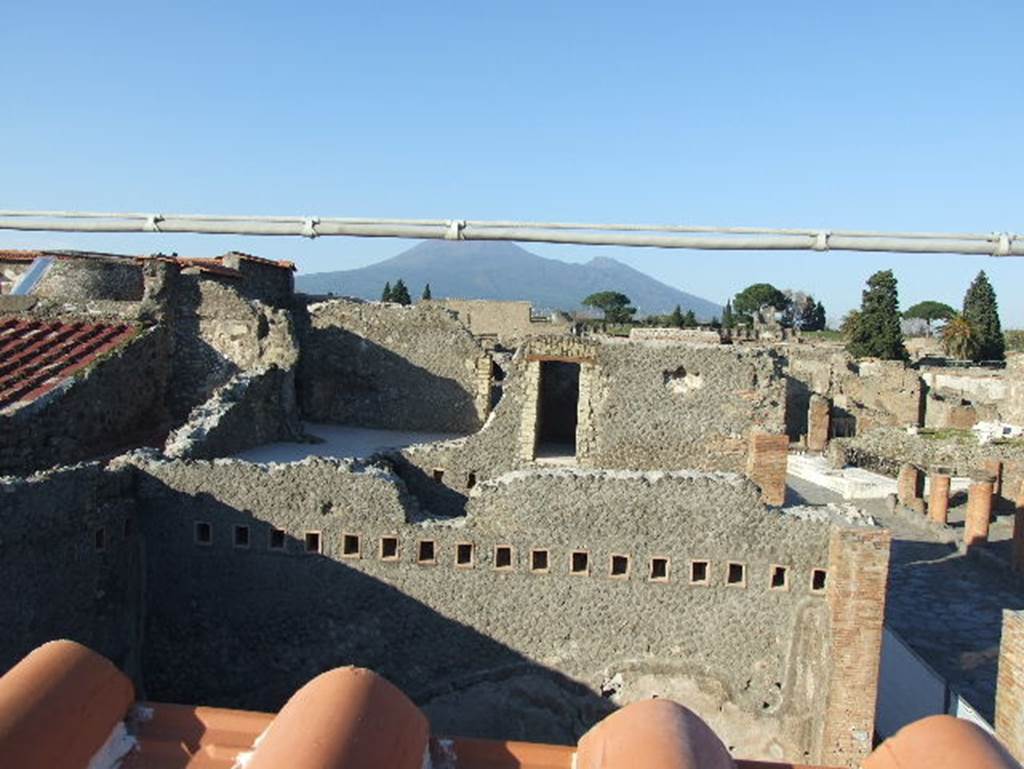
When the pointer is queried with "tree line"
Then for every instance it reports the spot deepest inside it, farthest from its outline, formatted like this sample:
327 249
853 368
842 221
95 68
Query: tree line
399 293
975 333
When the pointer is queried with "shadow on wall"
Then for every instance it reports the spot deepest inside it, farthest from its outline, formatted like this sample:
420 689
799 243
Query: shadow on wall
346 378
197 368
949 607
244 620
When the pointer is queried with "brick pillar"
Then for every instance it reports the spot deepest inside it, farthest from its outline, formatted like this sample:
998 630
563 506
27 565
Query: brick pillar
979 509
766 465
910 485
858 573
1017 554
1010 684
938 496
994 467
819 415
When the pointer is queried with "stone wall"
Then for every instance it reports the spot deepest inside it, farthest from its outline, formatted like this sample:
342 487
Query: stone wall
115 402
509 322
389 366
89 278
291 569
865 393
960 397
70 564
642 406
217 332
253 408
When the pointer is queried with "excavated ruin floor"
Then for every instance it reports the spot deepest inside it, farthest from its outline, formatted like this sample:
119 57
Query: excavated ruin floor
947 606
339 441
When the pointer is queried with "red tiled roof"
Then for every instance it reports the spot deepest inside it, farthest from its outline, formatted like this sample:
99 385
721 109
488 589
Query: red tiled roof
36 356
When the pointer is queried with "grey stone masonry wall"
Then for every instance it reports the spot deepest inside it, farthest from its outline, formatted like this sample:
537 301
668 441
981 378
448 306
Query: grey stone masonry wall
91 278
116 402
642 406
267 282
865 393
70 564
253 408
217 333
491 639
389 366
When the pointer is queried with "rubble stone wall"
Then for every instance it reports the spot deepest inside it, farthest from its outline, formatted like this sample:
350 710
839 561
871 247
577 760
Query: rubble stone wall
70 564
90 278
530 649
117 400
510 322
217 333
389 366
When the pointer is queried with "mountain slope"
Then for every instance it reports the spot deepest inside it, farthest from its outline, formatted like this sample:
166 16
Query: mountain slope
501 270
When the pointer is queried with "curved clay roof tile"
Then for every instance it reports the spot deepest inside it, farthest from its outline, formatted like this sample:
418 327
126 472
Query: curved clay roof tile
346 717
652 734
941 742
58 706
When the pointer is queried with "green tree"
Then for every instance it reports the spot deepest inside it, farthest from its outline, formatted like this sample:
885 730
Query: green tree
385 295
614 305
929 311
689 319
426 292
982 312
727 319
959 338
400 293
818 319
876 333
676 317
753 298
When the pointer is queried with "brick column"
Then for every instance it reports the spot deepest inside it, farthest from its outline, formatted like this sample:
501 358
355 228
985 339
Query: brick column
994 467
858 574
910 486
938 496
1017 553
979 509
1010 684
767 460
819 414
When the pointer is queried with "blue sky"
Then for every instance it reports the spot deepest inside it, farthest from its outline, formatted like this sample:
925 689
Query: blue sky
872 115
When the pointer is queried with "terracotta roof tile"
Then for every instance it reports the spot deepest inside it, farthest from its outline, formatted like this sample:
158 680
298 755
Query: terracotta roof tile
60 704
37 356
17 255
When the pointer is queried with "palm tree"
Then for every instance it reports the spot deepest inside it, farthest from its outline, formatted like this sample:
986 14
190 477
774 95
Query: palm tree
959 338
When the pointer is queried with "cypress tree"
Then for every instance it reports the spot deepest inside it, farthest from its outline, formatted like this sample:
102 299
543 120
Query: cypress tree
982 312
727 320
876 333
690 320
818 317
386 293
400 293
676 318
426 292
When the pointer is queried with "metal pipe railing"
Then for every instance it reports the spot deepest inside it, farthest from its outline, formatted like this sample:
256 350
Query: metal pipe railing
637 235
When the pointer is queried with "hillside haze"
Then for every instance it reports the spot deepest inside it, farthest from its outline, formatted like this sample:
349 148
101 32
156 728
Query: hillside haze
501 270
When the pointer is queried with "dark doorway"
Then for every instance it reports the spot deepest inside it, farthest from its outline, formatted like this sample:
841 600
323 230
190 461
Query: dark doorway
556 409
